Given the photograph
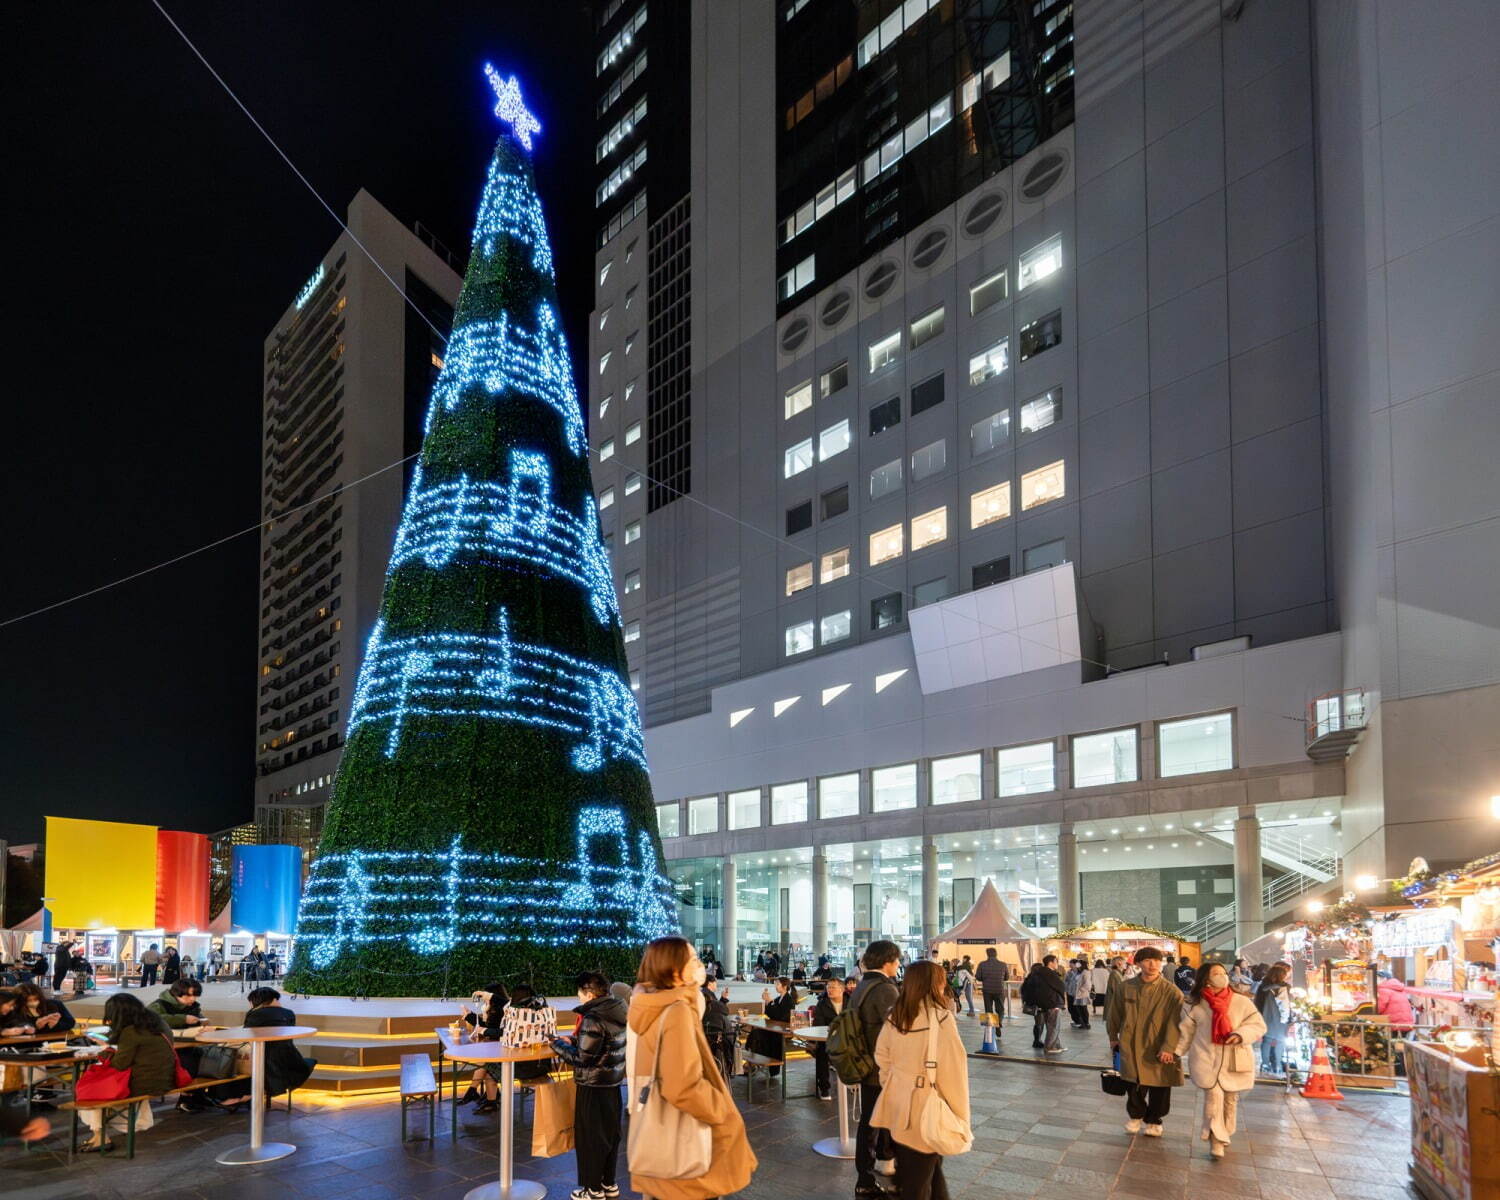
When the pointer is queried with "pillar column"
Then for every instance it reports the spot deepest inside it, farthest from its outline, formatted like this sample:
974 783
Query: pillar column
729 944
819 903
1249 906
1069 904
929 894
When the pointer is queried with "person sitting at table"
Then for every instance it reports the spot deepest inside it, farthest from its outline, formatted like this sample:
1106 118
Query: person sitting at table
486 1025
799 973
143 1047
41 1013
286 1068
777 1008
718 1025
829 1005
178 1006
11 1021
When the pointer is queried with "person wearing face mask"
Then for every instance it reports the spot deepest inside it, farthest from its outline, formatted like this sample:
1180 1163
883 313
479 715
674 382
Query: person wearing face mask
596 1052
1142 1018
666 1016
1217 1029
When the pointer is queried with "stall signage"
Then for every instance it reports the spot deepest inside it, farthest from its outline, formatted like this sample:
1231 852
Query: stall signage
1416 931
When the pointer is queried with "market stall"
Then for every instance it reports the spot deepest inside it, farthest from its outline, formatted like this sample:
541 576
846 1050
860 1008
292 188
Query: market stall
1446 944
1455 1121
1107 937
990 922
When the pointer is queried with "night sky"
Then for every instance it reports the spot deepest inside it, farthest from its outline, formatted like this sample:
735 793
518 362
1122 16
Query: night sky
153 237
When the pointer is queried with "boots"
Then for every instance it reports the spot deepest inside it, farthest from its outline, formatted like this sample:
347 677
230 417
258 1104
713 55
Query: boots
469 1096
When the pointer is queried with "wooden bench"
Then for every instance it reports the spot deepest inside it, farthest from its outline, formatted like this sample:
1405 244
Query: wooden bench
128 1104
418 1084
752 1063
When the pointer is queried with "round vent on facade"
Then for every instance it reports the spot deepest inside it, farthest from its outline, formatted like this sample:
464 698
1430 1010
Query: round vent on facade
795 334
836 309
929 248
879 281
1044 175
983 213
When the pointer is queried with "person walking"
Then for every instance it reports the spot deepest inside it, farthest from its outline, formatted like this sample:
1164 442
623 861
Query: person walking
150 961
143 1047
873 1000
596 1052
1218 1029
1185 977
171 966
664 1040
828 1007
215 961
1142 1020
993 976
913 1076
966 982
1079 983
1098 984
1043 992
1273 1000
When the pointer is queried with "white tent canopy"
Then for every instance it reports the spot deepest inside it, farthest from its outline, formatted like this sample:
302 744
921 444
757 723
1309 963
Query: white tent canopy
990 923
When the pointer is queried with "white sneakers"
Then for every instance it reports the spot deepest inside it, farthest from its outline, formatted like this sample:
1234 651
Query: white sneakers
1153 1131
885 1166
1133 1125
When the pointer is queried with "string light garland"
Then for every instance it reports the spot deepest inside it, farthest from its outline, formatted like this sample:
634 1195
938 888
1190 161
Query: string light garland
510 210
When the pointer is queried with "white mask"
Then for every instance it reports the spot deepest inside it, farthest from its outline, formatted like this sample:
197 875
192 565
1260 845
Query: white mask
696 974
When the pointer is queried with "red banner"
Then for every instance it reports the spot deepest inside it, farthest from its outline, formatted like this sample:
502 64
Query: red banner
181 881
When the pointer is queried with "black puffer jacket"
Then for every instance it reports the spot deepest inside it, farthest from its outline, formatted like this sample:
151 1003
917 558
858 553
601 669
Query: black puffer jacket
597 1053
1043 988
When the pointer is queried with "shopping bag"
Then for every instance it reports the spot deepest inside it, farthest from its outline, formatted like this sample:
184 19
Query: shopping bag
552 1119
102 1082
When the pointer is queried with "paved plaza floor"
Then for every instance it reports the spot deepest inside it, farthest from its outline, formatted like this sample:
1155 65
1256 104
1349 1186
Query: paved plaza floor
1041 1129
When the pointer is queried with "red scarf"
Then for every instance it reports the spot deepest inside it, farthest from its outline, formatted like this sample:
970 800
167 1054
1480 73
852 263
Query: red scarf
1219 1002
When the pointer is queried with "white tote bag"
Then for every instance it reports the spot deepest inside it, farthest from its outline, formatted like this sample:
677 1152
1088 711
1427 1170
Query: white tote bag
941 1127
665 1142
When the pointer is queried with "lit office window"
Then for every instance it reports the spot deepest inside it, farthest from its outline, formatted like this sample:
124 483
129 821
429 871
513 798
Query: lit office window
606 499
632 582
989 504
797 458
635 681
1039 263
799 638
988 292
1196 744
797 278
669 820
885 352
955 780
632 532
703 815
798 577
989 363
799 399
630 389
604 271
1023 770
927 326
632 631
929 460
885 545
633 434
885 479
604 405
835 627
892 788
838 796
929 528
833 440
833 379
632 483
606 449
789 803
1101 758
604 361
1043 485
992 433
744 809
1041 411
834 565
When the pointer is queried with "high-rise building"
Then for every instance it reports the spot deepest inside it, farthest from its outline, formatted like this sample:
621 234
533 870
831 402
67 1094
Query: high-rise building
980 515
348 369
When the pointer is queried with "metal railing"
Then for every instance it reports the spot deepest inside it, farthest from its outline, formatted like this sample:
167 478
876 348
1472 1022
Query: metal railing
1334 712
1318 859
1274 894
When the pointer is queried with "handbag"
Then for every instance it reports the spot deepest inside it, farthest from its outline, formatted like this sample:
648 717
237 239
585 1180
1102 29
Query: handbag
665 1142
102 1082
217 1062
1113 1083
552 1120
941 1128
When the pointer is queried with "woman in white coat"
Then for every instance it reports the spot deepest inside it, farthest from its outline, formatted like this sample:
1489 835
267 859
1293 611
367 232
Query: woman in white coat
1218 1028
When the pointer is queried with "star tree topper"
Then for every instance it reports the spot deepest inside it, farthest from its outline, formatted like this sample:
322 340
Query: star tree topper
508 106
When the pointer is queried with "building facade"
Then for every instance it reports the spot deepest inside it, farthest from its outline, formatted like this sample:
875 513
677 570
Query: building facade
348 369
1013 522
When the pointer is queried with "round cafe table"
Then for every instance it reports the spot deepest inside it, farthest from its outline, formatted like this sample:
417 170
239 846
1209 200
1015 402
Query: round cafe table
258 1150
843 1145
484 1054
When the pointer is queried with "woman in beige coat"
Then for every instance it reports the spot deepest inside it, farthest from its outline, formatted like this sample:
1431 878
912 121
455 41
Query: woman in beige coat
901 1056
1218 1027
668 990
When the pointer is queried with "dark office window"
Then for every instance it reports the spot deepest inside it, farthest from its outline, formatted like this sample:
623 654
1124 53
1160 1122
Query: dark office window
929 592
997 570
927 394
836 502
885 415
1041 334
1048 554
799 517
885 611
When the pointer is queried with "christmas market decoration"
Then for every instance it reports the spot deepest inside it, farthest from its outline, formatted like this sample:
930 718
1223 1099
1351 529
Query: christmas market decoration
492 818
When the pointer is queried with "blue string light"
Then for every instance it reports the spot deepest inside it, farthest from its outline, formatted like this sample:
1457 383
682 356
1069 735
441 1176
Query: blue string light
433 900
494 676
516 522
511 209
498 356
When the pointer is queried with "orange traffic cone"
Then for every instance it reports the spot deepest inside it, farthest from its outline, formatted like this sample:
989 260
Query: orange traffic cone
1320 1085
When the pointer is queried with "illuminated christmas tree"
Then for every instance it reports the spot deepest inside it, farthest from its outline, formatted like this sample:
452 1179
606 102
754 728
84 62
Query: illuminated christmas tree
492 817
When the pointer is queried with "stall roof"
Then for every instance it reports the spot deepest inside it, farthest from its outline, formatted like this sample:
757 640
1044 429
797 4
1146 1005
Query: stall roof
988 921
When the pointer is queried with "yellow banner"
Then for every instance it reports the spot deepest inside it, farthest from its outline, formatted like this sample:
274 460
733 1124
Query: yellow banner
101 874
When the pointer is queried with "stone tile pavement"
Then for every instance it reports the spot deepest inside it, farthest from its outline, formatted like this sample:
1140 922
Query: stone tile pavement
1041 1129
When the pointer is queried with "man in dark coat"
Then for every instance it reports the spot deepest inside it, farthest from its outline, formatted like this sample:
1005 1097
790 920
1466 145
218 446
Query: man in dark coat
1045 993
873 1000
286 1069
